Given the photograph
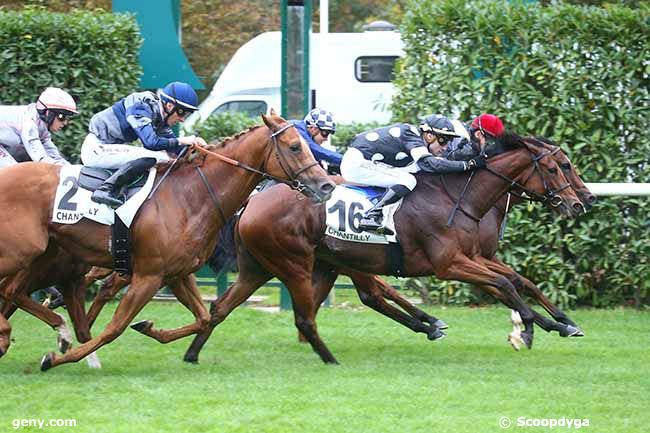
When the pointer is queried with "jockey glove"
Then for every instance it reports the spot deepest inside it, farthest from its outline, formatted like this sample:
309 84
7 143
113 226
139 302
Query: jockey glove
477 162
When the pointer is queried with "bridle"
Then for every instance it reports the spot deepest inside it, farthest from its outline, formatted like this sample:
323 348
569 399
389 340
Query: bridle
550 195
293 183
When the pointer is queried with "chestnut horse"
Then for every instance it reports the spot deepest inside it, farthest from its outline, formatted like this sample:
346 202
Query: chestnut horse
174 231
296 241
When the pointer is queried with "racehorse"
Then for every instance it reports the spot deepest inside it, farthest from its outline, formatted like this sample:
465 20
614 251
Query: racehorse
174 231
430 246
70 275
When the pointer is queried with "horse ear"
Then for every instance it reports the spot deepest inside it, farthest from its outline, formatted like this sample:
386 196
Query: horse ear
272 112
272 120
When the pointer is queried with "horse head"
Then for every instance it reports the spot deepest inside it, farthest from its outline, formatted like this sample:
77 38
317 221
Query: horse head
544 181
569 170
292 160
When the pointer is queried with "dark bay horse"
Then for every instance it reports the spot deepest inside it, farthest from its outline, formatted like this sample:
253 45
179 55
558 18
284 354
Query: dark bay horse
297 239
174 231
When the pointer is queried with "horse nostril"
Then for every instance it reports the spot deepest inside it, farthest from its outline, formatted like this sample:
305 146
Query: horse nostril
591 199
578 207
327 187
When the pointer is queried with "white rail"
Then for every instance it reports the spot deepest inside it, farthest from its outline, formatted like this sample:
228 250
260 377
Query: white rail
627 189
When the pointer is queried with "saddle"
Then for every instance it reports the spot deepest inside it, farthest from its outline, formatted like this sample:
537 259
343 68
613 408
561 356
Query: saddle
91 178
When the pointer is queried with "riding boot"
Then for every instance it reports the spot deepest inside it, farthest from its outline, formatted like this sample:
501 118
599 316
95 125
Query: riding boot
107 192
373 218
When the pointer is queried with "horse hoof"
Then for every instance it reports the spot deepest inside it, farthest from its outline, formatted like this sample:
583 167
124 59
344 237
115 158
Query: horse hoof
571 331
436 334
46 362
191 358
440 324
528 339
142 325
515 341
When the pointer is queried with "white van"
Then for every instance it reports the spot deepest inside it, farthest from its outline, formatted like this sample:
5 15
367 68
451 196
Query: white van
350 75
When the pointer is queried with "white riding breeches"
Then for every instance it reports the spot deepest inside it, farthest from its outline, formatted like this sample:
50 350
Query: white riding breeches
355 168
6 159
97 154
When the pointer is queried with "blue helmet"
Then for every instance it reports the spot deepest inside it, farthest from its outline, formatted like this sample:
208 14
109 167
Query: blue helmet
322 119
181 95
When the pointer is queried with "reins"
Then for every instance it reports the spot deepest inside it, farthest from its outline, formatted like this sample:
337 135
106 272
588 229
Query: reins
294 183
549 195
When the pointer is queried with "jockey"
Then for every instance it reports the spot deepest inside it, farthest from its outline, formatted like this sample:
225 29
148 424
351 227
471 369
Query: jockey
316 128
25 129
485 128
387 156
144 116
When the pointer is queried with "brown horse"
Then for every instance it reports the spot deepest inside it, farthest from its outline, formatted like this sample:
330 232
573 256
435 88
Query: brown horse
174 231
70 275
430 246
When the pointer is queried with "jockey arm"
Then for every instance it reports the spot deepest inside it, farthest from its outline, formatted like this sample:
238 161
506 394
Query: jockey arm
322 154
39 149
139 116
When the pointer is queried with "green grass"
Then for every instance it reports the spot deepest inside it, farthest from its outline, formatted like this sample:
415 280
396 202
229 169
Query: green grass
254 376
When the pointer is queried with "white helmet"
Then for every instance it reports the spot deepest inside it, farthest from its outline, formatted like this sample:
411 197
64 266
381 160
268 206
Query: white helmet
56 99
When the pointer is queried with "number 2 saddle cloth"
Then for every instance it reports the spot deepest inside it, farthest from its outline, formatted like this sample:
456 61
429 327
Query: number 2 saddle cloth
72 201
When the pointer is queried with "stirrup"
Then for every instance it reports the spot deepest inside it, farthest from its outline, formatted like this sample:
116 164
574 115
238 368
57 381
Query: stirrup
105 197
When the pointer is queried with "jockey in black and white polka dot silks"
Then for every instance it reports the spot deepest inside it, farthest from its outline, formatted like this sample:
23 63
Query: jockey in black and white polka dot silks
389 156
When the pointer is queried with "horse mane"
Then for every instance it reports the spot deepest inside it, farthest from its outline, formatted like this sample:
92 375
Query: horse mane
507 142
213 145
224 141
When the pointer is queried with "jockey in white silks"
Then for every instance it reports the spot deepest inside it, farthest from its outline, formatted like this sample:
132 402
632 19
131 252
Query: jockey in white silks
25 129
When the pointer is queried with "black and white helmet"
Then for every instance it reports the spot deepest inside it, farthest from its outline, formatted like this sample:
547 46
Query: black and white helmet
438 125
322 119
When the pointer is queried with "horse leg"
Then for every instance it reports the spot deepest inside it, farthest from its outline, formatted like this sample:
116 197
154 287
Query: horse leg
74 297
322 280
188 293
55 320
110 287
566 327
371 294
250 278
143 288
462 268
393 295
570 329
5 335
304 310
8 310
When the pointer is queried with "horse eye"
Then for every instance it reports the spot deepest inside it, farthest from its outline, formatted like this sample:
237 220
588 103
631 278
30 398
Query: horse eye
295 147
552 170
566 166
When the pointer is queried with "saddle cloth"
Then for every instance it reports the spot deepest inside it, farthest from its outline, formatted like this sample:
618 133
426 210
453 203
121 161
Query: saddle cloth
72 201
345 209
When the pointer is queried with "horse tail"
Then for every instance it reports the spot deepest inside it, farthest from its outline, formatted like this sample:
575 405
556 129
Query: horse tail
224 256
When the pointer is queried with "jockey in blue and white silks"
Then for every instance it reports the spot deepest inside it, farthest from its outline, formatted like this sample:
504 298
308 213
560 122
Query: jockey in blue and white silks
315 128
25 129
143 116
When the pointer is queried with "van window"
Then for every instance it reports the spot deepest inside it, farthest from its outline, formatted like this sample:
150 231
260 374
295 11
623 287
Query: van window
251 108
375 69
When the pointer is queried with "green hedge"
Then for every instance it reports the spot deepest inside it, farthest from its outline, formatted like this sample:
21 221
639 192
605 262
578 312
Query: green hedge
92 55
578 75
222 125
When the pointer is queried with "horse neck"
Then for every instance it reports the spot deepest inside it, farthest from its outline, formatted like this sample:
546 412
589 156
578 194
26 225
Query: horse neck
486 188
231 184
